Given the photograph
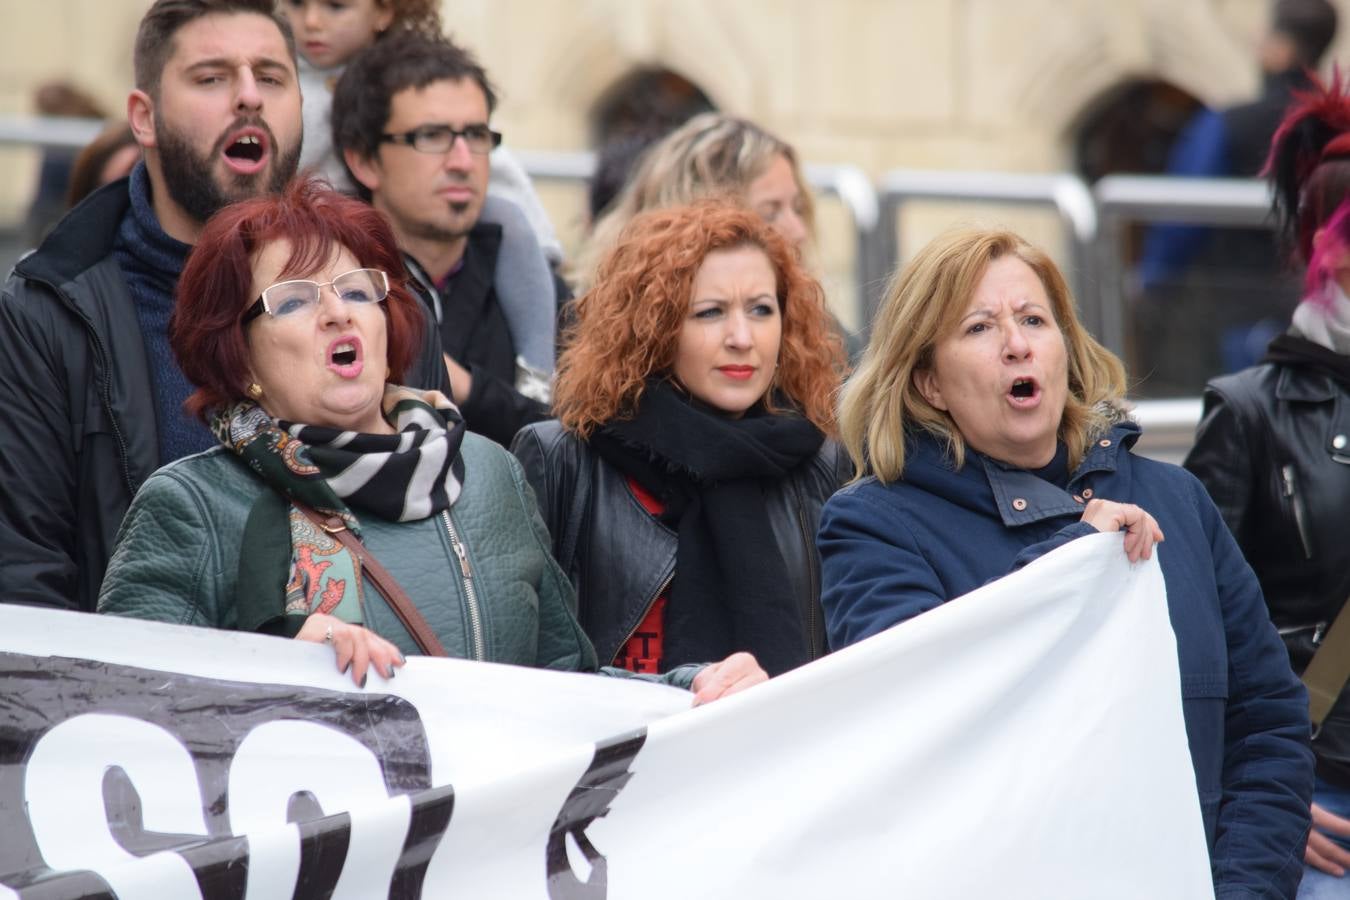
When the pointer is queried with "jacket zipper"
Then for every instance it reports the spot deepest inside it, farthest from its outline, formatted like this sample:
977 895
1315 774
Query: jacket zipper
1318 629
105 393
646 609
470 594
1295 501
812 606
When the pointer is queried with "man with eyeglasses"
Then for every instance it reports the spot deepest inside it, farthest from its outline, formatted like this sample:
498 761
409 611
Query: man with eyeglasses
410 119
91 397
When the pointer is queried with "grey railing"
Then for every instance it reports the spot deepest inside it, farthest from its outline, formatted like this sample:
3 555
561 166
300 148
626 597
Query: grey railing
1066 195
48 132
1093 221
849 184
1123 199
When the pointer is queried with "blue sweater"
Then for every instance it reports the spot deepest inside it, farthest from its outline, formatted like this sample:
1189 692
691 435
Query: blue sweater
151 262
892 551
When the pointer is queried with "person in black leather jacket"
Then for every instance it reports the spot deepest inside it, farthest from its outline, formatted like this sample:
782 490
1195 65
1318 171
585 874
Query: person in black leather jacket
1273 447
683 480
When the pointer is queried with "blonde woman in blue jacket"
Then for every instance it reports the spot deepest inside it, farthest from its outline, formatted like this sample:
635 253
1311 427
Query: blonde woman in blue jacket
992 430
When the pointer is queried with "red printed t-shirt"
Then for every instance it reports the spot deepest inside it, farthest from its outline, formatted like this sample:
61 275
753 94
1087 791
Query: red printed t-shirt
642 652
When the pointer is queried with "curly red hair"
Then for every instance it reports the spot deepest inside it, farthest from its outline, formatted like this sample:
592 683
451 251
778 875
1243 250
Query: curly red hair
627 326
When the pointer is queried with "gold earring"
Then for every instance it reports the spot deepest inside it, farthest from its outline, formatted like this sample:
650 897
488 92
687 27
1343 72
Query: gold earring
255 390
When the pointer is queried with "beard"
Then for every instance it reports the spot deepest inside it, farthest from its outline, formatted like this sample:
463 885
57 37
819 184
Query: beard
192 183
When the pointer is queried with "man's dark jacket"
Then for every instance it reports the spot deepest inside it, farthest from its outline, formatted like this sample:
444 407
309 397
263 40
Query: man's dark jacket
79 432
475 333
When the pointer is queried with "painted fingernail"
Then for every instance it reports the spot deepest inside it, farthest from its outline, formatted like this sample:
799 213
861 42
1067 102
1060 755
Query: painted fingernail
363 679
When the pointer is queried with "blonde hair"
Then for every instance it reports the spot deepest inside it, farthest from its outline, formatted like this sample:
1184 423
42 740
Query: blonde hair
711 155
923 304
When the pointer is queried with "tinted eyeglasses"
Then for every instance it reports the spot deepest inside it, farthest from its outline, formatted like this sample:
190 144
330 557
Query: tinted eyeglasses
480 139
300 297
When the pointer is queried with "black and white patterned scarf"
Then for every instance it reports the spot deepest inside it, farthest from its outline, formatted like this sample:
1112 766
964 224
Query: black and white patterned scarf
412 474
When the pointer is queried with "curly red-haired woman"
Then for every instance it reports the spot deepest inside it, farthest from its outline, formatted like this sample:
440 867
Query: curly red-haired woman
684 477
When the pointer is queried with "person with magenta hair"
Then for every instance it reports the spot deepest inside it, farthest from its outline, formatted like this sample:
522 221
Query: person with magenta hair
990 430
684 476
340 507
1273 449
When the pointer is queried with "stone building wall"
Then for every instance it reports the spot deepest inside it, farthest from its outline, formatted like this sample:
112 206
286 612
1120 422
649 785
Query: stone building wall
976 84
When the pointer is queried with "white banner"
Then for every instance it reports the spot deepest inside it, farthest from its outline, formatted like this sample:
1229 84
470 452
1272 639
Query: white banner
1024 741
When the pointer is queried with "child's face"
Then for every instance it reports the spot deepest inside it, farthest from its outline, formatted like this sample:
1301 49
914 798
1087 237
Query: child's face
330 32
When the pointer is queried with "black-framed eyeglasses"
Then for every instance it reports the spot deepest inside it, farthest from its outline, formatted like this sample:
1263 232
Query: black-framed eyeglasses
480 139
300 297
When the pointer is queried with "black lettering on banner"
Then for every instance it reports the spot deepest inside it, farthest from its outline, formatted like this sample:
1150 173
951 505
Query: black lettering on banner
607 774
210 718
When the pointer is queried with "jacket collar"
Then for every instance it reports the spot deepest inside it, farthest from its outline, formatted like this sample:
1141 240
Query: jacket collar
1017 496
82 238
472 283
1300 385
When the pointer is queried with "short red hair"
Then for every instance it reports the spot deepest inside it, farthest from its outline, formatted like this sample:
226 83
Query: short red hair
217 283
627 326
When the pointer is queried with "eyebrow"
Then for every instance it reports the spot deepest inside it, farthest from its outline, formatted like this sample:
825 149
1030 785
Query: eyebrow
725 302
1026 304
447 126
222 62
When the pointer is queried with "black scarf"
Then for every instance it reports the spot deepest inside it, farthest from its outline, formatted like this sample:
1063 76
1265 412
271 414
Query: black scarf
1297 352
731 590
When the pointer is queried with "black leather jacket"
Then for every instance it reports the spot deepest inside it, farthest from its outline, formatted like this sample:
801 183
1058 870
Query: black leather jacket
1273 449
620 558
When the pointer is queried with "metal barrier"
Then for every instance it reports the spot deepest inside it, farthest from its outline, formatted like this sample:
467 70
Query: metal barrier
48 132
1121 199
1169 427
1067 195
1093 222
849 184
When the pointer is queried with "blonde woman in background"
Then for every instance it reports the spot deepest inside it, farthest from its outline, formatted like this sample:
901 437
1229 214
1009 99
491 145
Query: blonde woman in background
710 155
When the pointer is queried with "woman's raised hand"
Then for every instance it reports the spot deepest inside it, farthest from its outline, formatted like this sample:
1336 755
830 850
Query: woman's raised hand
1141 529
735 673
356 647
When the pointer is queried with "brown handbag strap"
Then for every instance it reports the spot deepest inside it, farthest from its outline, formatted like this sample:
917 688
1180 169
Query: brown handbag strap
1327 673
379 576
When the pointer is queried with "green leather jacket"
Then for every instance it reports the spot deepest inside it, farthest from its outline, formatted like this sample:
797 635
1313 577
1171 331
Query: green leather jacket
178 554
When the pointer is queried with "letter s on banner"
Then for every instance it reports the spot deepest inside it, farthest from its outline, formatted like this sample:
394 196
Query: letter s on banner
63 788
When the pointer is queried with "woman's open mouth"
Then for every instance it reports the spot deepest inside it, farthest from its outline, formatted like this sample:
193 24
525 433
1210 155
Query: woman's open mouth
345 358
1024 392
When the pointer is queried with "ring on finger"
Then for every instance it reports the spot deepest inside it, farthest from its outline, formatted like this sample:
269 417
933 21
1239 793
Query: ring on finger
328 635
